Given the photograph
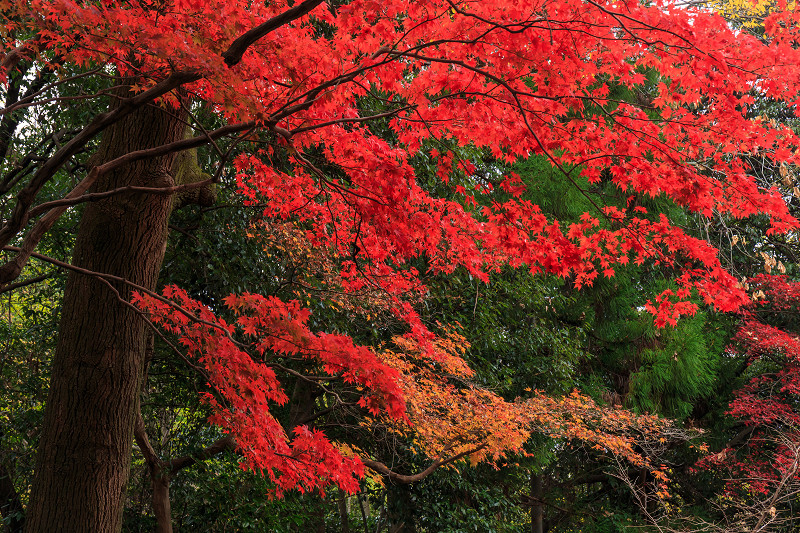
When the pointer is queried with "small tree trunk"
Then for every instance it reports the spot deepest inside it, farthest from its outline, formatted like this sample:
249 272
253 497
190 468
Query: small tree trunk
537 509
344 515
84 453
161 504
363 505
10 505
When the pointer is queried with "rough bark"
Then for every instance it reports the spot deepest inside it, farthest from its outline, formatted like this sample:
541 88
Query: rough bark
84 454
301 406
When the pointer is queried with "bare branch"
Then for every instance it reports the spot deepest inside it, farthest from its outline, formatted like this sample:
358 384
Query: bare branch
25 198
111 277
228 442
25 283
93 197
12 269
237 49
413 478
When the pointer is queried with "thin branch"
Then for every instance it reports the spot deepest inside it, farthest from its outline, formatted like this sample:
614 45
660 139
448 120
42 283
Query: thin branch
413 478
13 286
99 123
152 326
35 90
350 120
12 269
93 197
111 277
228 442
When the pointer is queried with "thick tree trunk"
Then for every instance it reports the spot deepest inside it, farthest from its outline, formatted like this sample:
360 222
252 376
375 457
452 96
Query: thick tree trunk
85 448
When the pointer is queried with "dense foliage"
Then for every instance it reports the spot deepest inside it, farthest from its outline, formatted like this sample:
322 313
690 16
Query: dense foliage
422 266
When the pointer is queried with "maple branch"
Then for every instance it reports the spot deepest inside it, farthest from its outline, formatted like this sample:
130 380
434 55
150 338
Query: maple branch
307 99
206 133
333 185
237 49
381 468
228 442
618 16
523 25
350 120
314 380
111 277
95 196
149 324
99 123
13 286
56 208
318 414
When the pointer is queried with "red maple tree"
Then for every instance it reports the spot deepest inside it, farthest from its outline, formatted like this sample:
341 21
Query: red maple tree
511 79
762 460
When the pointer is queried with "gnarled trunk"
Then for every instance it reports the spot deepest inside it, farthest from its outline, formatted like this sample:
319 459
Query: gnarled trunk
85 448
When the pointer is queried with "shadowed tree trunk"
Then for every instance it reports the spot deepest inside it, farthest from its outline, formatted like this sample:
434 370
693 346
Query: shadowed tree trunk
344 515
84 454
10 505
162 472
537 509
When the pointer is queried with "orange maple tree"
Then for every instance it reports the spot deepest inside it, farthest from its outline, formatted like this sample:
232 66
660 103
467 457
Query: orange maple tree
446 420
511 79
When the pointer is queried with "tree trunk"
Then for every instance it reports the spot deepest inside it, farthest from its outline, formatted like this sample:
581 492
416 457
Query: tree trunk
344 515
84 454
10 505
161 503
537 509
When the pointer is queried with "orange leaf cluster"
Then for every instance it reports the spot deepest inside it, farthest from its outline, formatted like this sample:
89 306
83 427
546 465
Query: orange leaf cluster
449 416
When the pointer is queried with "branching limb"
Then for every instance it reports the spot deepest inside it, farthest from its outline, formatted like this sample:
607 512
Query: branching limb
237 49
413 478
55 209
228 442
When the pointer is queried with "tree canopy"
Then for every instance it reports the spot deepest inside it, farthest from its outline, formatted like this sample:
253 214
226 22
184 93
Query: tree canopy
377 160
